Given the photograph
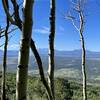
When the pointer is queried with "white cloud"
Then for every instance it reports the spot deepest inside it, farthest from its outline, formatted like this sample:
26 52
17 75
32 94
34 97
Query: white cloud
46 30
43 30
13 46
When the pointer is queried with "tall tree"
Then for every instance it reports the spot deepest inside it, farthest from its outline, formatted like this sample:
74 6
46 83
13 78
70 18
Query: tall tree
17 21
51 48
78 6
3 97
23 59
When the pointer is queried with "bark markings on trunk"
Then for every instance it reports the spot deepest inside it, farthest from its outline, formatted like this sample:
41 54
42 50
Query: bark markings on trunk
23 59
51 48
83 56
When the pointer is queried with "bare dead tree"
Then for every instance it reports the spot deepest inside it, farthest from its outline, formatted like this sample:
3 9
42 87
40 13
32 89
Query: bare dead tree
51 48
3 96
78 9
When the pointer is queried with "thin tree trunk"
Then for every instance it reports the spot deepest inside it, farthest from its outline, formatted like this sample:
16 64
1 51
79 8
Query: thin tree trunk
84 72
51 48
23 59
83 69
78 8
3 97
41 71
83 56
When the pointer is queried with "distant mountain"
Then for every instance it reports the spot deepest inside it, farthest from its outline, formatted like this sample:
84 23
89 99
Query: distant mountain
73 53
10 53
67 63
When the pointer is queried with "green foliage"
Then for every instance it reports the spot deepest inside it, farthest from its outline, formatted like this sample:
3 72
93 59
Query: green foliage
93 92
64 90
36 90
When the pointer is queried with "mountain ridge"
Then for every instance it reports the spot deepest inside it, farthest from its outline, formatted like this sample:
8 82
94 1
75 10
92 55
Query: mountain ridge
67 64
64 53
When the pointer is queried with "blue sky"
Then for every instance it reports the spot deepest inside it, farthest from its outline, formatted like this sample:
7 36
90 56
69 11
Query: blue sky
67 38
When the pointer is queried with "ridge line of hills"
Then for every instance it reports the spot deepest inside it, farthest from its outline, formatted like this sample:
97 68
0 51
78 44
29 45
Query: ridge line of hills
72 53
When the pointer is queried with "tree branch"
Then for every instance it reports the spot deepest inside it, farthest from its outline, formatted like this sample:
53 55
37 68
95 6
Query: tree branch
8 39
70 17
8 32
7 12
16 13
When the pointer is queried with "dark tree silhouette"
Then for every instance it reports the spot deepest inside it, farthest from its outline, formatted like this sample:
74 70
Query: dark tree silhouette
3 97
51 48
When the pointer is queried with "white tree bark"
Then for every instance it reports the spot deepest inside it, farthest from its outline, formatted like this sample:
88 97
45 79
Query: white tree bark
78 8
83 55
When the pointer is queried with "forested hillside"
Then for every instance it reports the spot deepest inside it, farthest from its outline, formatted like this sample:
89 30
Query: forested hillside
65 90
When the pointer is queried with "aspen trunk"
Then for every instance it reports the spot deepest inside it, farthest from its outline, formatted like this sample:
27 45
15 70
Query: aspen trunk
51 48
83 56
23 59
84 70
